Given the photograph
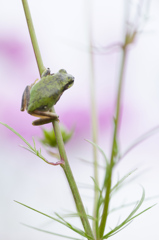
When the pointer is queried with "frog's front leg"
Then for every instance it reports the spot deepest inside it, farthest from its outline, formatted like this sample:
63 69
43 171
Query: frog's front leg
25 98
45 117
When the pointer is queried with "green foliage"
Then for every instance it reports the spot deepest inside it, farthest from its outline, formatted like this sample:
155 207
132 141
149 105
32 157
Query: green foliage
49 137
60 220
120 182
100 202
55 234
29 148
129 219
100 150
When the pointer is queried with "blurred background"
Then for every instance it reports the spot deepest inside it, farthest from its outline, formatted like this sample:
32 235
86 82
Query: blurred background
64 30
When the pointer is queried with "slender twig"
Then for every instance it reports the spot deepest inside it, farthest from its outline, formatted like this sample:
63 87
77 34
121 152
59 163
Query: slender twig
65 166
129 39
70 178
94 121
113 152
33 37
95 140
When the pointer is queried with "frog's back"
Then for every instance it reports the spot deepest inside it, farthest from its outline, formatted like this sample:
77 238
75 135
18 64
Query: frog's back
44 94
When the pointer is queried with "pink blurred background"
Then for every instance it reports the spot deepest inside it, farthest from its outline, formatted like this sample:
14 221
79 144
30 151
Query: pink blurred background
62 29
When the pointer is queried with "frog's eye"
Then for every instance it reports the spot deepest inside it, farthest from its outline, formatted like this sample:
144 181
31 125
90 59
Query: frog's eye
62 71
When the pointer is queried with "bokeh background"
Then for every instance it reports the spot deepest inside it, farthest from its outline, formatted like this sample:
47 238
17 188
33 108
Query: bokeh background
63 31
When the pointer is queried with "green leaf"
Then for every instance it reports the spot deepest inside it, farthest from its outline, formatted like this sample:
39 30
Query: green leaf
45 231
143 211
49 138
34 143
96 185
118 184
100 150
75 215
77 230
30 149
119 230
59 220
18 135
128 219
131 203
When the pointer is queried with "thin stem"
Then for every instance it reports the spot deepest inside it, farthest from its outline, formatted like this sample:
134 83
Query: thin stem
71 181
65 166
95 154
94 121
113 152
33 37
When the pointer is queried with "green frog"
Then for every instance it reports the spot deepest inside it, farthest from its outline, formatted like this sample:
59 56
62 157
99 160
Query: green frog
39 98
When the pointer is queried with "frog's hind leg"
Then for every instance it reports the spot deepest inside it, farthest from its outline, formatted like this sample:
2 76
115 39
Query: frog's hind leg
25 98
45 117
42 121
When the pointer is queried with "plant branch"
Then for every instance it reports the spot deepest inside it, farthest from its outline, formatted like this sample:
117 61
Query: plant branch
71 181
33 37
94 120
65 166
114 142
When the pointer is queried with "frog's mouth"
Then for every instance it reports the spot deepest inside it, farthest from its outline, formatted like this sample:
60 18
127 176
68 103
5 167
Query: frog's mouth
69 84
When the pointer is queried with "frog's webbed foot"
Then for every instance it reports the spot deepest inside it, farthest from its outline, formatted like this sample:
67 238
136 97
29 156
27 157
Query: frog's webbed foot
45 117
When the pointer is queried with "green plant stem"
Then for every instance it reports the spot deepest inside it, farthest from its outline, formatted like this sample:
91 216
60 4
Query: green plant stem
94 123
108 187
65 166
94 120
33 37
71 181
94 140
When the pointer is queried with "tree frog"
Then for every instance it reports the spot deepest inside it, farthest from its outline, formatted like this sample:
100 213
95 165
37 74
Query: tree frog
38 98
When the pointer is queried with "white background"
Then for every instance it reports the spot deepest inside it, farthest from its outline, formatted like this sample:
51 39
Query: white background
63 29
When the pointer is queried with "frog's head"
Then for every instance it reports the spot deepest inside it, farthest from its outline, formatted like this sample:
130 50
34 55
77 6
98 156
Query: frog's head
67 80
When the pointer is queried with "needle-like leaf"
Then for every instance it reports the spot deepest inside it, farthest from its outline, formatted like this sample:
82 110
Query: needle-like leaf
128 219
60 220
119 183
45 231
100 150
